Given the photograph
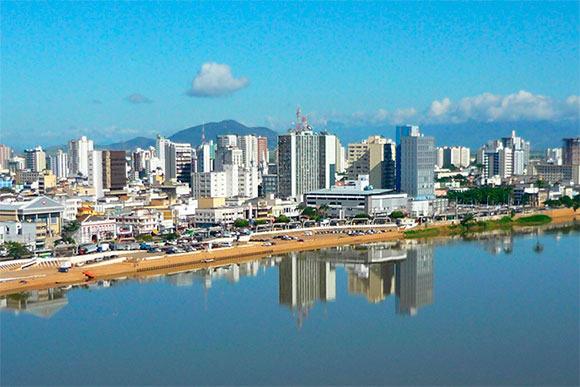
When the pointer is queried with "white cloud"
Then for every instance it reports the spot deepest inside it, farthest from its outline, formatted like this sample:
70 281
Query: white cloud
214 79
486 107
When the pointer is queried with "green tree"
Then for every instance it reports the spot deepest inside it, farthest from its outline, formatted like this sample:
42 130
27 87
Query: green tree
15 250
397 215
465 221
261 221
7 190
282 219
362 215
241 223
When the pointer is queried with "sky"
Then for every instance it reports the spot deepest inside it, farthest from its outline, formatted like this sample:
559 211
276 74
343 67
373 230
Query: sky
117 70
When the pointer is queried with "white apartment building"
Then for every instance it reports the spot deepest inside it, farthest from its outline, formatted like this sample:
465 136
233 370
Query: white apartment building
219 215
78 153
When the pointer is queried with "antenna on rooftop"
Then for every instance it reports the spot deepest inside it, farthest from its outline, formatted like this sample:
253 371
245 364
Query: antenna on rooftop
203 132
298 120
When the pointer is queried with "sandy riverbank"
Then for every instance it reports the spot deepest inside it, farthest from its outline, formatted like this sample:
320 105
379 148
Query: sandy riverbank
141 264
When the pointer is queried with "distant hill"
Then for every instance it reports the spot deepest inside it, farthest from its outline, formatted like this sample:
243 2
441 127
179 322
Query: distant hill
213 129
541 134
132 144
191 135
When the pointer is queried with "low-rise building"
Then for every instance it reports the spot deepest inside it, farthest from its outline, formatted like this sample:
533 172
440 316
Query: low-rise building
356 197
94 228
206 217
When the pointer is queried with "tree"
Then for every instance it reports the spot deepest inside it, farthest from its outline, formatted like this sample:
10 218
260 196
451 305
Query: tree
282 219
241 223
397 215
465 220
362 215
7 190
261 221
15 250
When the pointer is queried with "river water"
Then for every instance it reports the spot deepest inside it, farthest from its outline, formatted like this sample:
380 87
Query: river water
498 309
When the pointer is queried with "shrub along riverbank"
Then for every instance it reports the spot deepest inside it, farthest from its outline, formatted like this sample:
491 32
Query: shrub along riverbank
471 226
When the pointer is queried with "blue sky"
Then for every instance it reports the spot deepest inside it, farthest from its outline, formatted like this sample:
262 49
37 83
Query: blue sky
117 70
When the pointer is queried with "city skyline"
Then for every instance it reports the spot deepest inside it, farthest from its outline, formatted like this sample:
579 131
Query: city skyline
138 71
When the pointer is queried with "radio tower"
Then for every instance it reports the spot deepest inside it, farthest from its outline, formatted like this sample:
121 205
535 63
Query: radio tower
203 133
298 120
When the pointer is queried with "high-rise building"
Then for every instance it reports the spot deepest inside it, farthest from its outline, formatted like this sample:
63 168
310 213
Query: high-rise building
415 162
205 157
178 162
35 159
95 171
414 280
571 151
5 155
554 156
306 162
114 170
262 150
78 153
59 164
249 146
497 160
458 156
227 140
162 146
375 157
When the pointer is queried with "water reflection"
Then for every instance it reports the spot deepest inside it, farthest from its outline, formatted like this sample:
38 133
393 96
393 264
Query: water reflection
402 270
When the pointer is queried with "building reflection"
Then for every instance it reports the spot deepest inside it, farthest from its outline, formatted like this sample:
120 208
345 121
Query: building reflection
414 280
303 280
43 303
375 282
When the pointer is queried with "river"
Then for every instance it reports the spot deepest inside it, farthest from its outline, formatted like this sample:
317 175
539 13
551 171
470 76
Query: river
495 309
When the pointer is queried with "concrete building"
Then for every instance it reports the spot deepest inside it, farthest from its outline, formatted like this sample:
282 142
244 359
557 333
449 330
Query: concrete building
497 160
35 159
41 210
306 162
415 162
5 155
249 146
95 228
114 170
269 185
45 179
375 157
95 172
557 173
571 151
262 150
59 164
25 233
161 149
78 153
347 201
206 217
458 156
554 156
178 162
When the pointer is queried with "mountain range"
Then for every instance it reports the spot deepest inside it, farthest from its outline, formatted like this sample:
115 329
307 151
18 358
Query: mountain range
473 134
191 135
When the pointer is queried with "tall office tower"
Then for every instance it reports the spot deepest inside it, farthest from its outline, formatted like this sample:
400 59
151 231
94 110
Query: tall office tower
59 164
162 146
262 150
178 162
497 160
16 163
302 281
299 163
414 280
249 146
95 171
35 159
374 157
205 155
389 166
400 132
5 155
520 152
417 162
227 140
78 156
571 151
328 158
114 170
439 158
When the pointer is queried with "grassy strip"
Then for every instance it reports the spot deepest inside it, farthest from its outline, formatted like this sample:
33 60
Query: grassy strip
533 220
422 233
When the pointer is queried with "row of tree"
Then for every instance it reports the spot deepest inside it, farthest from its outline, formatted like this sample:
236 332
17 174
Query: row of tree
482 195
565 201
